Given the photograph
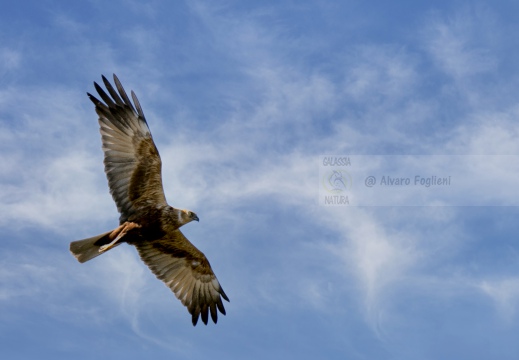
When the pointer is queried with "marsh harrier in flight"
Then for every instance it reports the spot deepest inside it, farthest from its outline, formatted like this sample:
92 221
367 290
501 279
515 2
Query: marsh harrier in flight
133 168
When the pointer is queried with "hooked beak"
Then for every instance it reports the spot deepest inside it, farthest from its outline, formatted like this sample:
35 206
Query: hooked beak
194 217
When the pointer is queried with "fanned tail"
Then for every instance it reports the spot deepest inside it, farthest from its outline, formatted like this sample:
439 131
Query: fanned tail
87 249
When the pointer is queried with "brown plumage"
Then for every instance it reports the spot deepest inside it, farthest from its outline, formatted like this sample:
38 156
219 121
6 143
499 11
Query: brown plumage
133 168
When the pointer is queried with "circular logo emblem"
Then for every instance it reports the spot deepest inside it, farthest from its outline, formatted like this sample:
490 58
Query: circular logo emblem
336 181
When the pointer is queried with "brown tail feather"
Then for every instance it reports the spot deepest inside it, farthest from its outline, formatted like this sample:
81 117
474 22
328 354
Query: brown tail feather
87 249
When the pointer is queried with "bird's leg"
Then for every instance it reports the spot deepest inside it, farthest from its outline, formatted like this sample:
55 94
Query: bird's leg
118 234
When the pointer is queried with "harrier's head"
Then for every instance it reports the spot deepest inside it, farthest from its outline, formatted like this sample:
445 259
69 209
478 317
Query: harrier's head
177 217
188 216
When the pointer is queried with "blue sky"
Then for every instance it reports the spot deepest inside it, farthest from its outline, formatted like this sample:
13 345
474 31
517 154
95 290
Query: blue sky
242 98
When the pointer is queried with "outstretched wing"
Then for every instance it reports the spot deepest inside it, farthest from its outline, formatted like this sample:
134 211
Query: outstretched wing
187 272
132 162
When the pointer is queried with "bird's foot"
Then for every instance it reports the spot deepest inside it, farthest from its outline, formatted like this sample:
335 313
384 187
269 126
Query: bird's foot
118 234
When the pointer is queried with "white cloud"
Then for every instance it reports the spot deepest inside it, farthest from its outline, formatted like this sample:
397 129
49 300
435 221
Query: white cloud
10 59
380 72
375 258
505 294
50 179
487 133
461 43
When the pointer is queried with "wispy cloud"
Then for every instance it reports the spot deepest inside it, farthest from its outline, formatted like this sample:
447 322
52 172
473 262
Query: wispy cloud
10 59
505 294
49 177
461 43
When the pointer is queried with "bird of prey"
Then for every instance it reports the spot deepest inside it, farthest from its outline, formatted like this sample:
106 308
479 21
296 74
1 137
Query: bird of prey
133 168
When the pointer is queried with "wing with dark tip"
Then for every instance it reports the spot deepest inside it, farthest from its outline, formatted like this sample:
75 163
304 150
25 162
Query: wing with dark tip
187 272
132 162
